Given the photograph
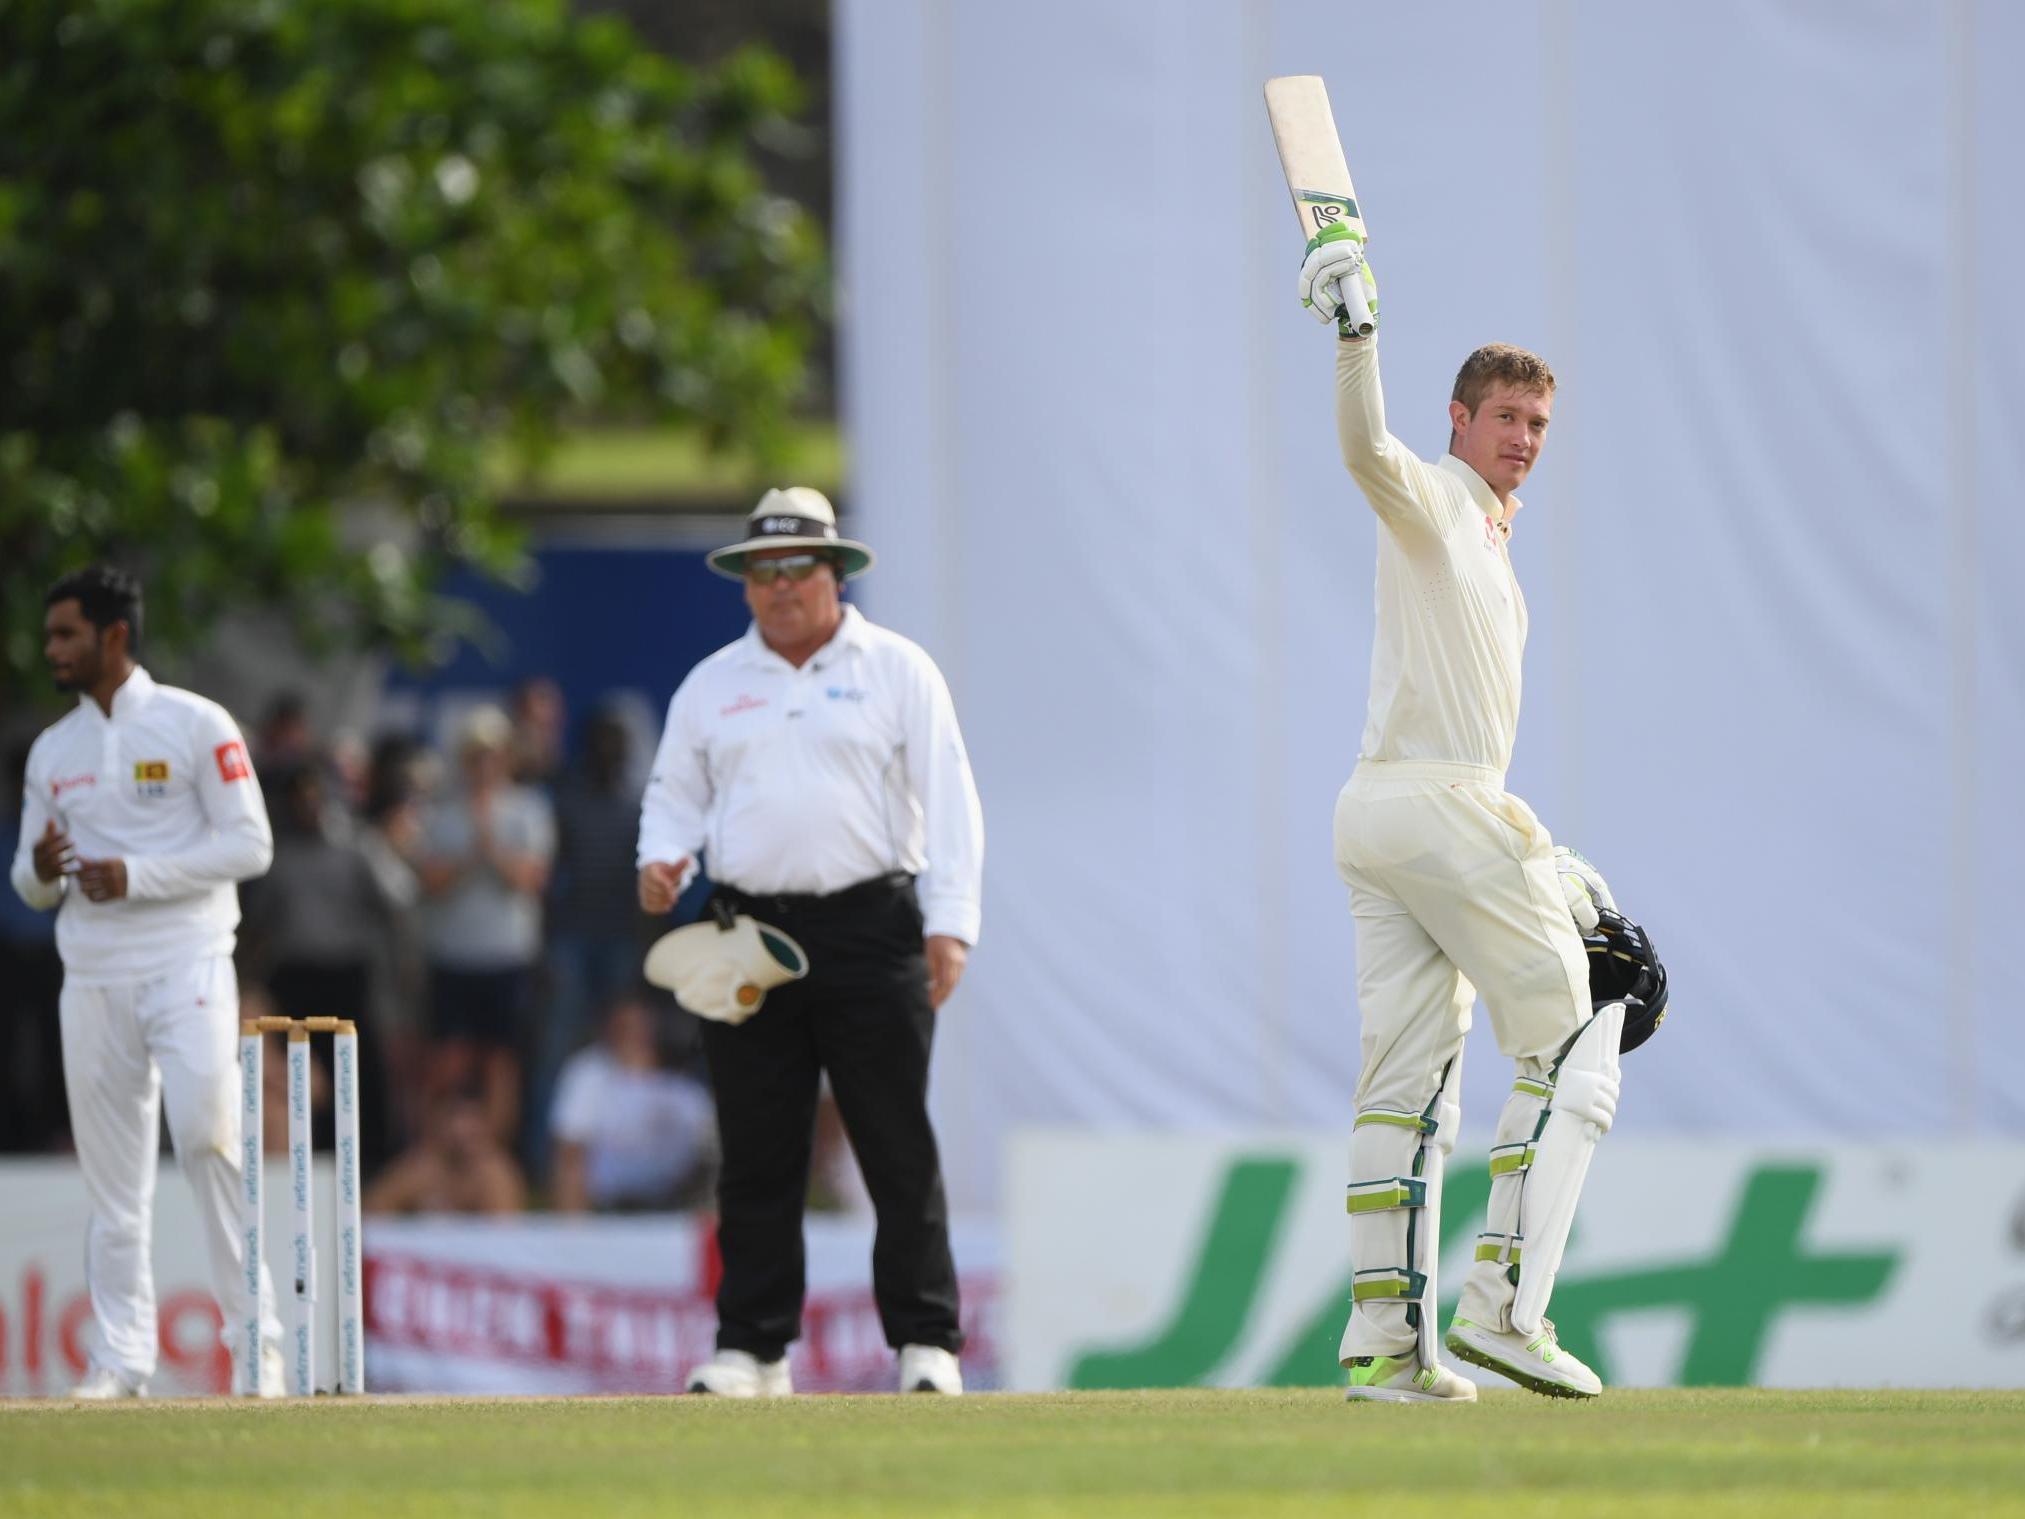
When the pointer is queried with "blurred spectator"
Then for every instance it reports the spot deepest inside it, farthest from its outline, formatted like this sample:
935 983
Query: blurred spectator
254 1002
284 738
595 945
350 769
315 924
535 708
630 1134
456 1167
390 839
484 864
33 1115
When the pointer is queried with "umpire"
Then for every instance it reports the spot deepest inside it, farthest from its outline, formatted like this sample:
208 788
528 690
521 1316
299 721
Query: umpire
816 767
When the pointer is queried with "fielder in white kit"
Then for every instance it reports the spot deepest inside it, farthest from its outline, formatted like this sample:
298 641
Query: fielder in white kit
139 816
1456 890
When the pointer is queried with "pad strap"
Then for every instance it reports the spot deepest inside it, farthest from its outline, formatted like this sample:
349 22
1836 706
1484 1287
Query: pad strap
1421 1123
1391 1283
1503 1248
1386 1192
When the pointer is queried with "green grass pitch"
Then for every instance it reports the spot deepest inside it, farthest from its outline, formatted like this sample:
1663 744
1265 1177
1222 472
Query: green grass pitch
1192 1452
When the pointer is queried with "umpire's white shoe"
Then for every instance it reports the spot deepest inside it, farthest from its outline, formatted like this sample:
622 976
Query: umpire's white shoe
740 1374
1534 1361
929 1368
1402 1379
103 1385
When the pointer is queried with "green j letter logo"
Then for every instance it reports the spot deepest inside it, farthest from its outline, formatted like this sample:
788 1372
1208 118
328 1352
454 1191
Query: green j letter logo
1761 1268
1243 1229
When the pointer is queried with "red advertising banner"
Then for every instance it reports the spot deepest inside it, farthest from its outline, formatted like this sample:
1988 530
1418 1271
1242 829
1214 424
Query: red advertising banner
529 1304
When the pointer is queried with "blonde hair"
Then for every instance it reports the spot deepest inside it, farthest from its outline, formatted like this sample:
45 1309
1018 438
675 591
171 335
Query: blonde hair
1500 364
484 727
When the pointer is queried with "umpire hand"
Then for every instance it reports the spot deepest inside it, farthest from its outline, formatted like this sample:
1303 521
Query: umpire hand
661 884
946 958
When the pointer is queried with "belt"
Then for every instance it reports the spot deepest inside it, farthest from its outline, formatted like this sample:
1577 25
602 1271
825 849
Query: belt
790 902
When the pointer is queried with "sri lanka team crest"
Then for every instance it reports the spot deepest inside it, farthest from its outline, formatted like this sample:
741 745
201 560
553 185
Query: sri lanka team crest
151 777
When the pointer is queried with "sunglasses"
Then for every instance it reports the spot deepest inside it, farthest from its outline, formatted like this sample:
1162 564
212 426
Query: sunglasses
797 567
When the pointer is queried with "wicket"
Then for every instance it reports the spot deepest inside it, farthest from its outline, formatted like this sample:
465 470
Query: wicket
301 1338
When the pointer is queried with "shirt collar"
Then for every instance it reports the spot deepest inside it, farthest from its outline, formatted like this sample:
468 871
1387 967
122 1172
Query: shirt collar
852 633
134 693
1480 492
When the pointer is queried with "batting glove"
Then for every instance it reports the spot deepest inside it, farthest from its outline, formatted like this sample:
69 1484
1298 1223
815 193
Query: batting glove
1337 285
1582 887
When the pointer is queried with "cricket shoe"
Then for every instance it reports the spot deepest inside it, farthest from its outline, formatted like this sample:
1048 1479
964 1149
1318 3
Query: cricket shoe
740 1374
1533 1361
1402 1379
929 1368
104 1385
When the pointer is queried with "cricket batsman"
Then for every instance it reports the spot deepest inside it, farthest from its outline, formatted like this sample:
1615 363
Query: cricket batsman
140 814
1456 888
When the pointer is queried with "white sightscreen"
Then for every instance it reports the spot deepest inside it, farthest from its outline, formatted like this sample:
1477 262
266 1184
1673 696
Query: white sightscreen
1776 683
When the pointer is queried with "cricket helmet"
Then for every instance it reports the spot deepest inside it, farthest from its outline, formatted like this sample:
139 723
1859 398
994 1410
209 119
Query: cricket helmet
1623 968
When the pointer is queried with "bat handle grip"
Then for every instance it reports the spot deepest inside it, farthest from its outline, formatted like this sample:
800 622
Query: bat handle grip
1353 314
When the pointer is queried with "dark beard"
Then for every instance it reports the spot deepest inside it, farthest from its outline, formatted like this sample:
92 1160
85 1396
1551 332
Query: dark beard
81 677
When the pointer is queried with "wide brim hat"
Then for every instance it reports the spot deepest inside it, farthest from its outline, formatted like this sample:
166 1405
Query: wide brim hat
797 517
723 967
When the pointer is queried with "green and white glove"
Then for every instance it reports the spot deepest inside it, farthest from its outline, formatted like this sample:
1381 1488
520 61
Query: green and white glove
1337 284
1582 887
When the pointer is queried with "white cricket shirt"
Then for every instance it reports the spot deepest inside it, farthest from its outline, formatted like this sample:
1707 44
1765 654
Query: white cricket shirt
814 779
1451 622
165 785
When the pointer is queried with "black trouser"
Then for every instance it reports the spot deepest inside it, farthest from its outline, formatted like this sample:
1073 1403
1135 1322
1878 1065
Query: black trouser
862 1015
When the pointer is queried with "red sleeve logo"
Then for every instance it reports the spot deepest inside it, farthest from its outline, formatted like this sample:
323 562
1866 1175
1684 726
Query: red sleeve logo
231 759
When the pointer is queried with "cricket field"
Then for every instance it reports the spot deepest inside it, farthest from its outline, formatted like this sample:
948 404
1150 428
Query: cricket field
1189 1452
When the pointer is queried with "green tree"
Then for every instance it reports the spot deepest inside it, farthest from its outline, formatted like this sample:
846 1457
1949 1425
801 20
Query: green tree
269 270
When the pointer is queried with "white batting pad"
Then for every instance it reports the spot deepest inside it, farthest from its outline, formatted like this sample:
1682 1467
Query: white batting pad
1578 1115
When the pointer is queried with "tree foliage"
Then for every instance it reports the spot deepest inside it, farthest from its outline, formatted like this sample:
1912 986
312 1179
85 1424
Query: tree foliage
264 264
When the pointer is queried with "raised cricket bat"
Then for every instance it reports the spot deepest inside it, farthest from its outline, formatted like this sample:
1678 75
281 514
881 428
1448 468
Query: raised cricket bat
1311 156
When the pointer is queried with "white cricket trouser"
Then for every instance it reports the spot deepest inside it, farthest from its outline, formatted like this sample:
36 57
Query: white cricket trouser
126 1047
1453 891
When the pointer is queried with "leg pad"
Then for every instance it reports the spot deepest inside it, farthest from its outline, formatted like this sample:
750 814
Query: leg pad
1395 1222
1578 1116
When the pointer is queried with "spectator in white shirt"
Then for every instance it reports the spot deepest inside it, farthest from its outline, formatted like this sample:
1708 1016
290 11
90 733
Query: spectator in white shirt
630 1134
816 767
484 867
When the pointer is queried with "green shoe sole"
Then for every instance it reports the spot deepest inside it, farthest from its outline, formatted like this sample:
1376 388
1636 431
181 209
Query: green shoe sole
1463 1350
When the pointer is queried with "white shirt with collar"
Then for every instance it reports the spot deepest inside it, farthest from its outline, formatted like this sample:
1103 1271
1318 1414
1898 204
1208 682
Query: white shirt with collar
814 779
163 783
1451 622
